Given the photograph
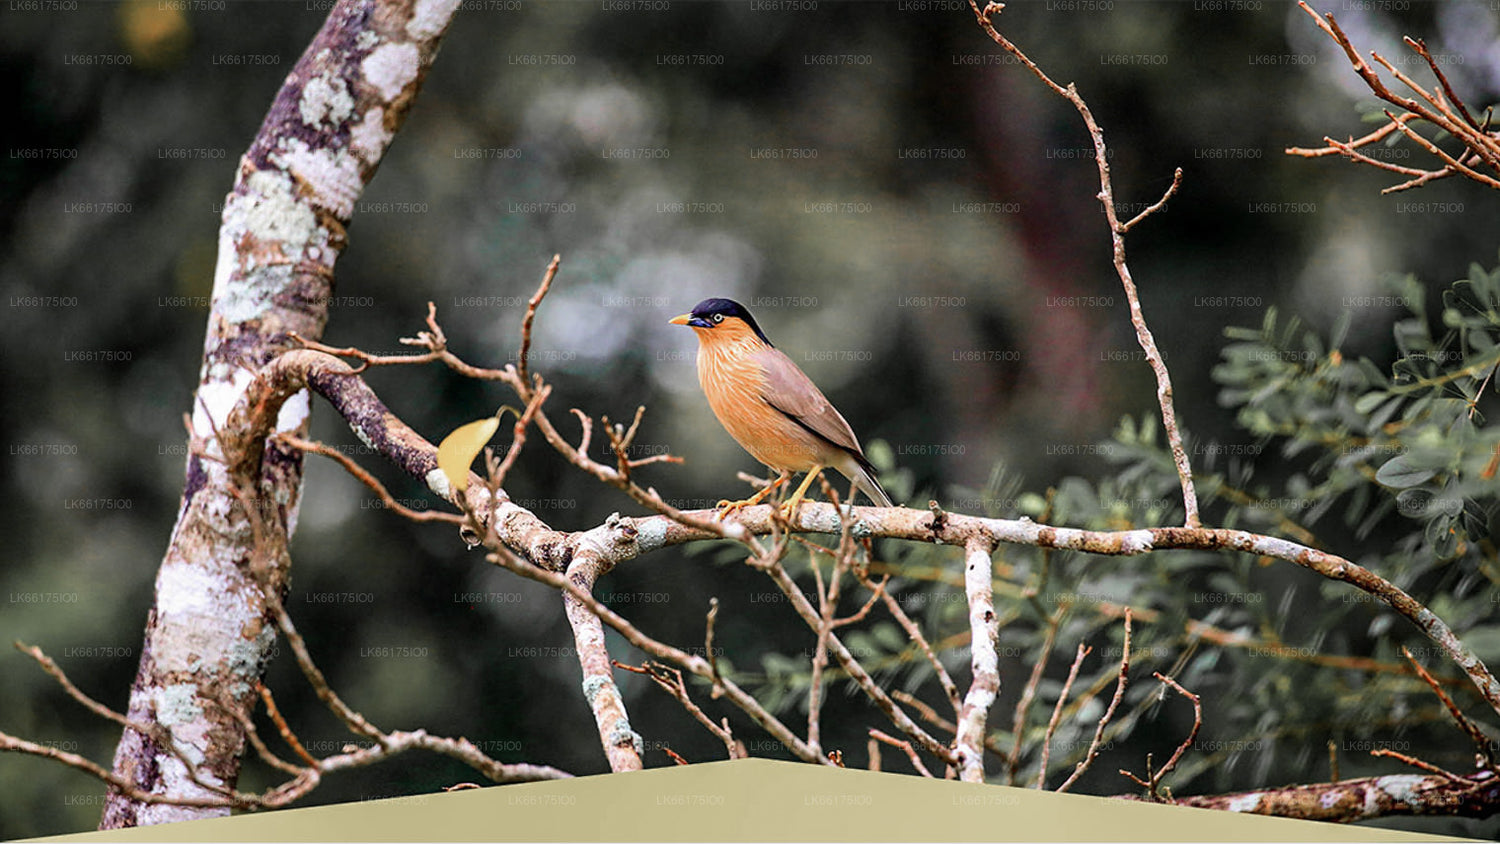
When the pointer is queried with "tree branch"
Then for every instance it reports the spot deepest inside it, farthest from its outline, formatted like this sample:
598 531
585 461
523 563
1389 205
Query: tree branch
282 230
1441 107
984 631
1117 232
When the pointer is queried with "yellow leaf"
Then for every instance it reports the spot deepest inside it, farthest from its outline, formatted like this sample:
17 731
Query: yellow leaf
459 449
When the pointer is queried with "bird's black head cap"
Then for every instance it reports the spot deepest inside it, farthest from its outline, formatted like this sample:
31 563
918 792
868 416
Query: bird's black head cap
709 308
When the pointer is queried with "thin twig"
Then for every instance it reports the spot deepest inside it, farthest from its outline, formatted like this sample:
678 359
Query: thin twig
1117 232
1418 763
253 735
1158 204
353 720
1114 704
827 605
369 480
1420 47
1028 694
708 648
518 436
1481 145
1062 698
911 752
772 566
282 727
670 679
1192 734
531 306
915 636
1481 741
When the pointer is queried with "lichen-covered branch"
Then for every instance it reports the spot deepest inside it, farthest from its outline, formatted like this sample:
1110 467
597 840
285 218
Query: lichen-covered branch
622 745
283 228
522 532
984 661
527 546
1349 801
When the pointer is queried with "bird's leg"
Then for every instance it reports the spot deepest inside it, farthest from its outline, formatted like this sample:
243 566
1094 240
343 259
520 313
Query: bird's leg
725 506
789 509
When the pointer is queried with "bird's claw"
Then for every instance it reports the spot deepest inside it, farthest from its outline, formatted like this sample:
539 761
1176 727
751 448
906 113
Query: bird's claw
725 507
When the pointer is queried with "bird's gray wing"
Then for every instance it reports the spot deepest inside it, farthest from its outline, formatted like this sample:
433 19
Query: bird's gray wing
789 390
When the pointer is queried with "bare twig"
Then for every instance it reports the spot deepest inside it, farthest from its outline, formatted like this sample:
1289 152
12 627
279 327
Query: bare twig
1117 232
370 481
1154 779
1442 107
670 679
125 786
1420 47
905 746
1062 698
915 636
1418 763
1028 694
1158 204
827 605
1481 741
354 721
531 306
772 566
518 436
253 735
1114 704
282 727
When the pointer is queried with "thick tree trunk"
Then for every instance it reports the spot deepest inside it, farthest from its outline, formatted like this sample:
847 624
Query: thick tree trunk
207 636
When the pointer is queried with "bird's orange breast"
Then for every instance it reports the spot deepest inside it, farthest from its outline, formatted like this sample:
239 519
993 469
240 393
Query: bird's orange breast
730 373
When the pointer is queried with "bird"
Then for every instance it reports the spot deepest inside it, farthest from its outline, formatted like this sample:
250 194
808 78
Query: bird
770 406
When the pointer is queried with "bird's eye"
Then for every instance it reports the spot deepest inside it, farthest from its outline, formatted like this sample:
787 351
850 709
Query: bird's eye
718 318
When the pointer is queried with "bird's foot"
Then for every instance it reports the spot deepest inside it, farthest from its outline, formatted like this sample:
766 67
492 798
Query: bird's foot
788 509
726 507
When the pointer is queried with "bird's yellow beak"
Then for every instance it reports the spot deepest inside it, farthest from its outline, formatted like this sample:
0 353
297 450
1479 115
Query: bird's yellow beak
681 319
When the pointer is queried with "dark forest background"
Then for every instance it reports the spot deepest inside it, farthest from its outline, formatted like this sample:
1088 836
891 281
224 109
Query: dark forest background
909 215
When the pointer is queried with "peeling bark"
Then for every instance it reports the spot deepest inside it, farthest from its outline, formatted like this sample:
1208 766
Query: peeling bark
207 636
984 632
1349 801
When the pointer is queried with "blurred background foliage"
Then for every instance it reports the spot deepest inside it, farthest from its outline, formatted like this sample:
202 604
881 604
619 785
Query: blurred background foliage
916 225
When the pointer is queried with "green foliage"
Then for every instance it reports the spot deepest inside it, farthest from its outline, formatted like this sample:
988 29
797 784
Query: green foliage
1391 464
1411 441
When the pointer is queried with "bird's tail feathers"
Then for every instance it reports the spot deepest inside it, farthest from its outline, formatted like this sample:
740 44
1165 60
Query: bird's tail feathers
863 476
